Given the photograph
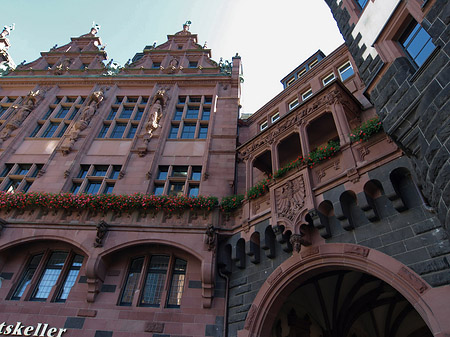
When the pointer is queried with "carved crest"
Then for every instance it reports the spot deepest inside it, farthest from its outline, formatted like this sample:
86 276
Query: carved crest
290 198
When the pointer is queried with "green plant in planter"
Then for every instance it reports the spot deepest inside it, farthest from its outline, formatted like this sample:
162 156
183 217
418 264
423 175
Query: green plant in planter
231 203
322 153
366 130
259 189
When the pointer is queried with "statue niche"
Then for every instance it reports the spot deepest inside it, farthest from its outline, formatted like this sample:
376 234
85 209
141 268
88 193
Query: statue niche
86 115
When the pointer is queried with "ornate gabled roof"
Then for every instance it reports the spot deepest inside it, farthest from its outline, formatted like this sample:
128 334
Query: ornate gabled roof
84 53
180 54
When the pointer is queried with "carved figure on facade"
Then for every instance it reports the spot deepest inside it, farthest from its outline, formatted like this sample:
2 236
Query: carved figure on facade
63 66
22 112
185 30
210 237
86 115
102 229
290 199
156 112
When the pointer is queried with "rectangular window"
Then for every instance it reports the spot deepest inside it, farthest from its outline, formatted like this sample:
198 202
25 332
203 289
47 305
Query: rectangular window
180 171
51 128
70 278
263 126
118 130
103 131
99 171
192 112
49 276
178 114
158 190
162 173
301 73
417 43
290 81
177 284
139 114
188 131
134 274
206 114
307 94
203 132
132 131
193 64
111 114
346 71
328 79
173 132
108 189
193 190
176 188
62 113
156 65
275 117
115 173
293 104
93 187
196 173
155 280
62 129
126 113
26 277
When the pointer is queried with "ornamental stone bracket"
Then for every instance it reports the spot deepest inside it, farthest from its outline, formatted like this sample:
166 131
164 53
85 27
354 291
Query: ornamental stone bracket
95 275
210 237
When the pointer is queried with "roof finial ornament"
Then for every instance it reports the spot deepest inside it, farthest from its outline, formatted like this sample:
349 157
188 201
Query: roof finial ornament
186 25
6 30
95 28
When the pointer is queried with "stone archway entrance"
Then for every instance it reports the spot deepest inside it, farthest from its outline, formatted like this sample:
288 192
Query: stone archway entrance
344 303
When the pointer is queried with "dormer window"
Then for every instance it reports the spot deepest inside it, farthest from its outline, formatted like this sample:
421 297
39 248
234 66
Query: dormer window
293 104
313 63
193 64
307 94
156 65
329 78
288 83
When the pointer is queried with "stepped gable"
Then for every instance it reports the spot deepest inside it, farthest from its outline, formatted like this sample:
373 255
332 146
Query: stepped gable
180 54
84 54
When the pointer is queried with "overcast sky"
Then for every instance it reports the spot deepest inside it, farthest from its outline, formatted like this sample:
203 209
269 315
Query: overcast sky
272 37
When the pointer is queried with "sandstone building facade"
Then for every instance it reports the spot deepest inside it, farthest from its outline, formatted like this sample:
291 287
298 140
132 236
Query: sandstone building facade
136 202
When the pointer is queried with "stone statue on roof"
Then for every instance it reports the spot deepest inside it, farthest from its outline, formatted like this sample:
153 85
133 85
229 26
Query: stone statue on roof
6 30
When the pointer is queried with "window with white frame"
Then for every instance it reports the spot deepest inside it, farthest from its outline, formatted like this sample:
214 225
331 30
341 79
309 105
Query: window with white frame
313 63
18 177
162 278
96 179
263 126
275 117
191 118
45 270
346 71
293 104
58 117
327 79
178 179
290 81
307 94
124 117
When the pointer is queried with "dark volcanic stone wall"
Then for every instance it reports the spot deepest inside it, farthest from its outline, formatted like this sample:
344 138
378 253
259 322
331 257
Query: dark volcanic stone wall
414 105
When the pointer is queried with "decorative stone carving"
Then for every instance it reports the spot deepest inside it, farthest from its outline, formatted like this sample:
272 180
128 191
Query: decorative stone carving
210 237
87 113
296 242
21 113
102 229
290 198
156 111
357 250
63 66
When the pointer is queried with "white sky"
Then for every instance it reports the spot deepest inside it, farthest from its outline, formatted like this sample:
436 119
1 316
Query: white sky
272 37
